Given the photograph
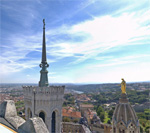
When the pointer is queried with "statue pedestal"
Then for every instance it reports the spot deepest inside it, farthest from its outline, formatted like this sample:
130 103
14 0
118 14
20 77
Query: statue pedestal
123 98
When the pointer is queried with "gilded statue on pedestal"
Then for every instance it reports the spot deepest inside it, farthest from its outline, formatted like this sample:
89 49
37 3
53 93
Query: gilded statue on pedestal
123 86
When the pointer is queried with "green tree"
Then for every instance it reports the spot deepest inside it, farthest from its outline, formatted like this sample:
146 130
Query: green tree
110 113
75 121
109 122
99 110
66 119
102 116
141 129
147 129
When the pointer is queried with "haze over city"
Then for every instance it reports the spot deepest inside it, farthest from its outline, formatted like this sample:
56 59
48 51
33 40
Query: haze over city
90 41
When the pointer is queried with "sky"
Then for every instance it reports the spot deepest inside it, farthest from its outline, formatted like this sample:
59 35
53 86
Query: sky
87 41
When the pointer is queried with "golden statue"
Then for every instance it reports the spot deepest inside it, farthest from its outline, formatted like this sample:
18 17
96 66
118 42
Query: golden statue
123 86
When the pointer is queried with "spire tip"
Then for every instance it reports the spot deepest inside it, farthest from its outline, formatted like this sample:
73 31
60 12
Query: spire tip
44 23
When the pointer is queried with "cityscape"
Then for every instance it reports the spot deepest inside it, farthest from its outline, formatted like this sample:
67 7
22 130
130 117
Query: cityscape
83 69
94 97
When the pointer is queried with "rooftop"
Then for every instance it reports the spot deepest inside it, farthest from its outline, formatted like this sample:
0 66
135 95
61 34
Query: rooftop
70 113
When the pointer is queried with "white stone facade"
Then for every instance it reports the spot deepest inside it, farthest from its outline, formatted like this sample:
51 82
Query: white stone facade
45 101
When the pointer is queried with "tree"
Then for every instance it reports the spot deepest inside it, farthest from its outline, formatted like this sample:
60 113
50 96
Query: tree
109 122
141 129
99 110
66 119
75 120
147 129
110 113
102 116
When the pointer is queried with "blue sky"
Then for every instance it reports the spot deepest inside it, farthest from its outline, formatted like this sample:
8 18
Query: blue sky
88 41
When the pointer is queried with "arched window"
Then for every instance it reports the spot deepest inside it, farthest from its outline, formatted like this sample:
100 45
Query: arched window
53 122
42 115
30 114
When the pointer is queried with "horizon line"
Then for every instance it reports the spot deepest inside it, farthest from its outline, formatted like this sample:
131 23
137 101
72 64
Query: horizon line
84 83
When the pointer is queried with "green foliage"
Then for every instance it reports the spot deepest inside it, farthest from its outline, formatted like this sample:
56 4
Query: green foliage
144 115
99 110
141 129
19 103
133 95
106 118
75 121
110 113
101 113
144 118
64 104
69 99
147 129
66 119
109 122
102 116
20 106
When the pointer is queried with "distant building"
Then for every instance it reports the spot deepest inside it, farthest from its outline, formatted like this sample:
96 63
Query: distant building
101 128
69 127
70 113
82 98
91 116
85 107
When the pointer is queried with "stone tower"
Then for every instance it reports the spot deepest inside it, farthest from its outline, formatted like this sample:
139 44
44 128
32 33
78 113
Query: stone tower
124 118
45 101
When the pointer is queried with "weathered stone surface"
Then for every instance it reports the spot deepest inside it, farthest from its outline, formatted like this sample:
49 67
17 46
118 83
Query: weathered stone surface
8 109
2 109
16 121
46 100
33 125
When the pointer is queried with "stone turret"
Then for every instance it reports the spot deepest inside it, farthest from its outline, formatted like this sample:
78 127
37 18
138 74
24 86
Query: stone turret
45 101
124 118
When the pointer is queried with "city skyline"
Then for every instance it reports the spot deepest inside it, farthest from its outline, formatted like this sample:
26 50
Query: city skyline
91 41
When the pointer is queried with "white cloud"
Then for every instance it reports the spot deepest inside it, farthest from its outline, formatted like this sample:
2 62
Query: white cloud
102 34
99 35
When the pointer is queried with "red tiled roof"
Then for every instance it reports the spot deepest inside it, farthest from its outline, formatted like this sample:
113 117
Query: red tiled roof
71 113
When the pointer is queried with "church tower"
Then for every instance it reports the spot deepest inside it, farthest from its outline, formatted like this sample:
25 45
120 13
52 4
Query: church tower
124 118
45 101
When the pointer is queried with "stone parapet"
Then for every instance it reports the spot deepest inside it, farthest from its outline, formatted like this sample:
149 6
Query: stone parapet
43 90
44 93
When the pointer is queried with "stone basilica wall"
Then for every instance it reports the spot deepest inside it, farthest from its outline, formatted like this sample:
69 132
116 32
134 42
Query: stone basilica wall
46 100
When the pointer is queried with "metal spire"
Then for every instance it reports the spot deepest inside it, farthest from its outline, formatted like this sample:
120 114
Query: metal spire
43 78
44 45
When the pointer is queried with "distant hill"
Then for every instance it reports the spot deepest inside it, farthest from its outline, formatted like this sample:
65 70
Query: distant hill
87 87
